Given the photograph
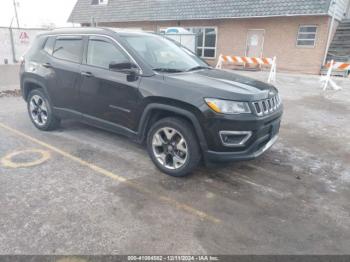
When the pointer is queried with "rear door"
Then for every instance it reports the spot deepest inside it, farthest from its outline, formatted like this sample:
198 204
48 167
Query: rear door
107 96
65 74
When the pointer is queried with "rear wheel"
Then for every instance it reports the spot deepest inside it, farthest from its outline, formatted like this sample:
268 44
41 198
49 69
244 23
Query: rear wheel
40 111
173 146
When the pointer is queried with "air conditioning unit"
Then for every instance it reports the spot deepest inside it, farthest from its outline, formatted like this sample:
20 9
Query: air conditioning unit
99 2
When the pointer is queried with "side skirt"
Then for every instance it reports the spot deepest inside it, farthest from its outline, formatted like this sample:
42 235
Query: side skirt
96 122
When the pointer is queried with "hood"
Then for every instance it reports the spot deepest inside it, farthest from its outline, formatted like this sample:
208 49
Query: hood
223 84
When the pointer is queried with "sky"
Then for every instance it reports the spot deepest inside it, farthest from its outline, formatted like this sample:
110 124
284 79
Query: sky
36 13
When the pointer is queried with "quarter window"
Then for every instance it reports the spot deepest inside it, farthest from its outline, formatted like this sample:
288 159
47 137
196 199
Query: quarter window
101 53
48 48
206 41
307 36
68 49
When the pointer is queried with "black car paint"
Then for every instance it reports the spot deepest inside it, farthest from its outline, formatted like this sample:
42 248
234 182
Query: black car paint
116 102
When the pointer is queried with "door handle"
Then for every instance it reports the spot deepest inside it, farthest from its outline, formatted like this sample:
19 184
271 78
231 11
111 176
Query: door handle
47 65
87 74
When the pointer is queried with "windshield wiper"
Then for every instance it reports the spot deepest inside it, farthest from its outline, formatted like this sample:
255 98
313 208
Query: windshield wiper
167 70
198 68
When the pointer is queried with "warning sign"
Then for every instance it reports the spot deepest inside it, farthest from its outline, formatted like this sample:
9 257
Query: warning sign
24 38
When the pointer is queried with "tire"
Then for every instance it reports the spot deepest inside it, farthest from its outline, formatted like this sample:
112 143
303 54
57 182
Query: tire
40 111
173 146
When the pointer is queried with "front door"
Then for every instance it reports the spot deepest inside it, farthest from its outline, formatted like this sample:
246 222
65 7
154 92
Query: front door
255 42
107 97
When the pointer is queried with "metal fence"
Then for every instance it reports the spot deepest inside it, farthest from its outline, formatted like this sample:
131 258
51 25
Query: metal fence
15 42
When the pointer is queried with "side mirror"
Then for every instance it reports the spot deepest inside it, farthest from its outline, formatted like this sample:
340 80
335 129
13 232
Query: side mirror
124 67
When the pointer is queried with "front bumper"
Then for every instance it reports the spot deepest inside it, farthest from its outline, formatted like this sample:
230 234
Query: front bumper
264 130
237 156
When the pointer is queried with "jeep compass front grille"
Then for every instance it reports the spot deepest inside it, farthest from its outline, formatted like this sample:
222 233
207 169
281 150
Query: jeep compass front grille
267 106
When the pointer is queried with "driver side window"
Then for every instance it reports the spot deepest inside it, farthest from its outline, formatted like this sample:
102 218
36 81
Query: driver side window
101 53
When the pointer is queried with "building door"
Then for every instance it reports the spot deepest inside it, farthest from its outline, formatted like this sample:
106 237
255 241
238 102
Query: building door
255 42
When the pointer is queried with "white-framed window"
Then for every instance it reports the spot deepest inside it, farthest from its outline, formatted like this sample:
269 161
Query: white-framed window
99 2
307 36
206 41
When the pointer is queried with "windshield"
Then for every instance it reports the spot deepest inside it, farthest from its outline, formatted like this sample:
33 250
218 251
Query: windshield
164 55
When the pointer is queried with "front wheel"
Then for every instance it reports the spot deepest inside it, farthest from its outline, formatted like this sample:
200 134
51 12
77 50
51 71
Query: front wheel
173 146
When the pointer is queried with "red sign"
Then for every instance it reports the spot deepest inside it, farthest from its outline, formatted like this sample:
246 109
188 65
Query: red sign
24 38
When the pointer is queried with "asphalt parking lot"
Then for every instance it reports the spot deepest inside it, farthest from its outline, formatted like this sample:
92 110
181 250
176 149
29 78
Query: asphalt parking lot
81 190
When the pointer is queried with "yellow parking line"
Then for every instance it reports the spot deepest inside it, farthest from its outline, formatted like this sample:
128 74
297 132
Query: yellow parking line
118 178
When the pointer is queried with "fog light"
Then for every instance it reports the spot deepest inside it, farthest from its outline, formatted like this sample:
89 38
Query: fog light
234 138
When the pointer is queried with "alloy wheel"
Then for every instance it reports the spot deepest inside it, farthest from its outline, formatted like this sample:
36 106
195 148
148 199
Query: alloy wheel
38 110
170 148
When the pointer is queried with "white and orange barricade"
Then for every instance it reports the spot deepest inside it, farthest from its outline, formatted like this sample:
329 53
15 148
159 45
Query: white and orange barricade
252 61
327 80
338 65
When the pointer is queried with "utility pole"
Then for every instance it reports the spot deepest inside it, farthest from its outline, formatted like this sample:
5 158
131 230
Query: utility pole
16 14
11 22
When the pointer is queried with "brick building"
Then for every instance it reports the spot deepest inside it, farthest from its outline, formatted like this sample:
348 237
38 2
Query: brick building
297 32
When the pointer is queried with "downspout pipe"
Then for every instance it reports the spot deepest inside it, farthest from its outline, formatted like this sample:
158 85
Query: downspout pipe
330 31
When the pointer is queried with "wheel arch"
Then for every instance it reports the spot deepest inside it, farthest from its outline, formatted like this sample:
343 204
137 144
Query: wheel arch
31 84
156 111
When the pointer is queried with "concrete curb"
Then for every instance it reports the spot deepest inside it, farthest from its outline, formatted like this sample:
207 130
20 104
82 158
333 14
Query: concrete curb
9 77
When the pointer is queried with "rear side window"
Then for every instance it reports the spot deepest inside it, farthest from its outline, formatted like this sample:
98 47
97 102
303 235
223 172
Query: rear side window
35 47
69 49
101 53
48 48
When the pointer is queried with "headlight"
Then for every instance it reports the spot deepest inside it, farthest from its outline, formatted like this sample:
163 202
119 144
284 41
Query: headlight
227 107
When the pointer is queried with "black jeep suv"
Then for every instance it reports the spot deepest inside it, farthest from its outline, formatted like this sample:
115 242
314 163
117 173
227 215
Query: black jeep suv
151 90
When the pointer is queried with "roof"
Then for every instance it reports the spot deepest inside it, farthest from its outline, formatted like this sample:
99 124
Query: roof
93 31
77 30
166 10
